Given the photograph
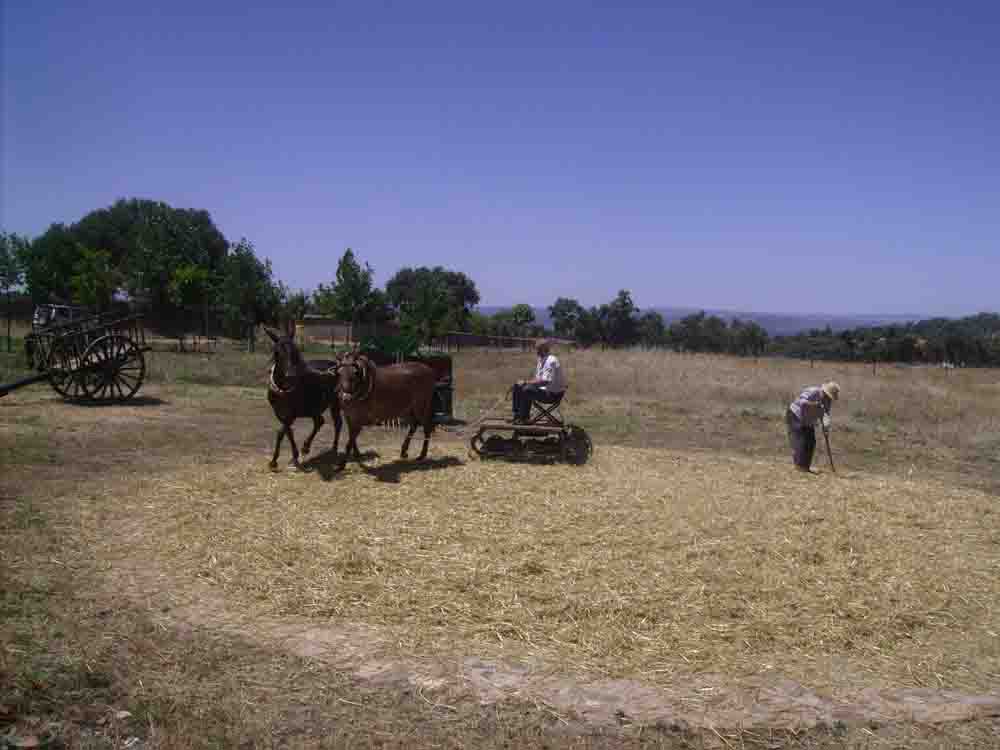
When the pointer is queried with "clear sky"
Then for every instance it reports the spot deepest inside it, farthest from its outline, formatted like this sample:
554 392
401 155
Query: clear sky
754 156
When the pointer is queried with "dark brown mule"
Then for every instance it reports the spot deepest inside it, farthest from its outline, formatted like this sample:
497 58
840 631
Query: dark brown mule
299 388
369 395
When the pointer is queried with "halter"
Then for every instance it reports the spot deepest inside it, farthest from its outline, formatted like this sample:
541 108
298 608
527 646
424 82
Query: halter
367 370
272 384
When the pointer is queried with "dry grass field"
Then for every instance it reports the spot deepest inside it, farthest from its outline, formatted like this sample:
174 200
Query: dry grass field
685 588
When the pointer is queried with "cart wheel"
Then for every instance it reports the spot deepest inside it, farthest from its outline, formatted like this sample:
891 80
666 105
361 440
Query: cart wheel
112 369
578 447
65 380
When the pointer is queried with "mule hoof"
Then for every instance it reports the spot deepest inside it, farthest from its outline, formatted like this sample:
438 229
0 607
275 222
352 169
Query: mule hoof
273 466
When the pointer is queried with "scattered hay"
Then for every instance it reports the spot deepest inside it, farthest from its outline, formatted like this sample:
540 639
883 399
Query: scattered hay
646 564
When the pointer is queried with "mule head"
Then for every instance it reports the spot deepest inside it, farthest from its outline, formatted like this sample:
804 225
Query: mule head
288 363
355 377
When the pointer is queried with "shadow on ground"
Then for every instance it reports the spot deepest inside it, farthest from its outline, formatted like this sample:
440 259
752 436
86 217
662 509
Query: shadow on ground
392 472
329 466
134 401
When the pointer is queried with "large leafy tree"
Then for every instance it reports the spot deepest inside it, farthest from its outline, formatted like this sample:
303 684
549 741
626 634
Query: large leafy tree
49 264
95 279
652 329
523 317
622 321
295 305
146 241
248 293
747 338
591 327
192 288
149 240
458 291
424 312
352 294
12 250
566 314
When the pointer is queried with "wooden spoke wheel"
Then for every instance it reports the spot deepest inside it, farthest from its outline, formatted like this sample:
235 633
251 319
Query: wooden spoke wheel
112 369
65 379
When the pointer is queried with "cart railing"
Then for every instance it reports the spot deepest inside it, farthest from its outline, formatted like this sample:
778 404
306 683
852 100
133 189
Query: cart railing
62 345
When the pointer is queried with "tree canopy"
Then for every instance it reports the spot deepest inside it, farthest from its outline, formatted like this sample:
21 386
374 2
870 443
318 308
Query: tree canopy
430 301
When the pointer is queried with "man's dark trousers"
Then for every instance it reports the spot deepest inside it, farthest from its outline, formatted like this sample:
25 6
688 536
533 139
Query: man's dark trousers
803 440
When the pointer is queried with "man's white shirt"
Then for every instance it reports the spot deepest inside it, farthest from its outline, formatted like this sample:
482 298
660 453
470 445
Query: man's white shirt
550 371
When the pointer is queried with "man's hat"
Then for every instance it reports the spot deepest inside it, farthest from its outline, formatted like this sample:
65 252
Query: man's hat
832 390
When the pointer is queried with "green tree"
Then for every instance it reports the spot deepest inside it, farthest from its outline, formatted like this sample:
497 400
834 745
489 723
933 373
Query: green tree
351 296
689 332
652 329
12 250
716 334
248 293
148 240
591 326
747 338
522 316
458 292
424 312
49 264
480 324
566 314
95 279
191 288
295 305
622 322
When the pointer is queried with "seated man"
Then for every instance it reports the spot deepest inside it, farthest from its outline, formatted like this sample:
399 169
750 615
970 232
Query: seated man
546 387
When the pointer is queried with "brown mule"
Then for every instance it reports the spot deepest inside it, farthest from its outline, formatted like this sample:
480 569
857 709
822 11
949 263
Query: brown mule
299 388
370 394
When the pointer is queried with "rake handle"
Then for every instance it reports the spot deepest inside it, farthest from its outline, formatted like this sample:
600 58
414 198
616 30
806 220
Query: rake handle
829 453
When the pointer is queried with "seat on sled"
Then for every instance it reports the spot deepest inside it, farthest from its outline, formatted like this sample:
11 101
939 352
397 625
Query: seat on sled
547 414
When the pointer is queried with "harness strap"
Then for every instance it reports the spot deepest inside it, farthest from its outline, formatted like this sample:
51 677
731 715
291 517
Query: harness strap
272 384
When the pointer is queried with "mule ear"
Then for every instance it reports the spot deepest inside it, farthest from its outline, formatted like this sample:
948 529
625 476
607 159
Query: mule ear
271 334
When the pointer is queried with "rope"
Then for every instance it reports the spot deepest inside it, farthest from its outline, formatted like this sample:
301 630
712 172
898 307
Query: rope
479 419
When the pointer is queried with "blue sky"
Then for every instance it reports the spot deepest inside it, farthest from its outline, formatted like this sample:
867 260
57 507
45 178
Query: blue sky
839 159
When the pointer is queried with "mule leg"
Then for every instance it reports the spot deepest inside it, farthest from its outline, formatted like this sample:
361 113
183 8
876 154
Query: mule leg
406 441
317 425
277 446
428 428
338 422
295 449
354 441
352 444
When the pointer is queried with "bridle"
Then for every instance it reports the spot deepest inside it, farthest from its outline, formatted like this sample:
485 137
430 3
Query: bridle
366 371
272 381
272 384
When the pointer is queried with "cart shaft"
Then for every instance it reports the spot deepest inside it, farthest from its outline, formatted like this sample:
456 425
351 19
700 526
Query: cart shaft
8 387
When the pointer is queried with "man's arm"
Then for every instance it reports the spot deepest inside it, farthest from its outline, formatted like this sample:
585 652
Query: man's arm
546 375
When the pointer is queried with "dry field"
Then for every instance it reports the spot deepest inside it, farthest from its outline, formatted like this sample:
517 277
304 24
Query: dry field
684 589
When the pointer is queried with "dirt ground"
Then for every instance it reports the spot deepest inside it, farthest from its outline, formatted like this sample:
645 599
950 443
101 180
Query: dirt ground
105 643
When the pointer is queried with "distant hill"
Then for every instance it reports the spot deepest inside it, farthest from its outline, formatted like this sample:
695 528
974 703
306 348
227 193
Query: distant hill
776 324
